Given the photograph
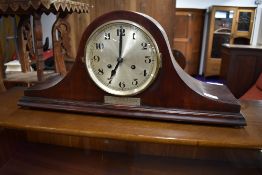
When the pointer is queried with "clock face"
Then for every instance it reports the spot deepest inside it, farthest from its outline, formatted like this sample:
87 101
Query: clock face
122 57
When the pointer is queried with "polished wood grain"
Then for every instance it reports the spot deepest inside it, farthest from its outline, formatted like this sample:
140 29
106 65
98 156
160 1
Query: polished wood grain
31 159
195 152
163 11
109 127
112 145
180 58
241 67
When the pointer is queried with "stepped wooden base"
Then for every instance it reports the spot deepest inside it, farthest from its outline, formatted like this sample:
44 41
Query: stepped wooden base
155 113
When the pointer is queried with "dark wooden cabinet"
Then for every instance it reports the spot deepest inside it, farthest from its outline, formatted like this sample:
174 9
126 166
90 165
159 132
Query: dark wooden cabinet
188 29
240 68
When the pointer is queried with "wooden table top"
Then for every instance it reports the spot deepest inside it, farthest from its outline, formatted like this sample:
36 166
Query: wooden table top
250 137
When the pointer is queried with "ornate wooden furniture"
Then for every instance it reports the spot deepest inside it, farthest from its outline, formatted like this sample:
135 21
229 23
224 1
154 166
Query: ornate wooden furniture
112 145
24 9
241 66
227 25
188 30
61 42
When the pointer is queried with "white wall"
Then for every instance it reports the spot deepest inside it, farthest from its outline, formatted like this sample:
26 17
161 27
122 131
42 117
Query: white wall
47 23
259 42
204 4
257 33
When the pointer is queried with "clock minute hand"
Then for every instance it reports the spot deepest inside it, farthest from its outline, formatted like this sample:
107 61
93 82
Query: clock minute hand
119 59
120 42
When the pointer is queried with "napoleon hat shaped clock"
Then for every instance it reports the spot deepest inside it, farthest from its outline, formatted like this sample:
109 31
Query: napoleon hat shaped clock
125 68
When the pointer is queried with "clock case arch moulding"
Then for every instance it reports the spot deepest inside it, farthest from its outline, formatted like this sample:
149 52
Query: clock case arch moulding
173 96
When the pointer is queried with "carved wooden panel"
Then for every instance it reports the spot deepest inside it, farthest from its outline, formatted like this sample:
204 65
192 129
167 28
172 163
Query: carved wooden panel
78 23
25 42
38 35
61 43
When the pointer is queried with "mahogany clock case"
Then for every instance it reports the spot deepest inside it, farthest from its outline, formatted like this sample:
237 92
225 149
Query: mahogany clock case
173 96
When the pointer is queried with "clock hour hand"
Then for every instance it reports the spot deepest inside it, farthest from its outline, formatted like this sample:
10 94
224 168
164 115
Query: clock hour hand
113 72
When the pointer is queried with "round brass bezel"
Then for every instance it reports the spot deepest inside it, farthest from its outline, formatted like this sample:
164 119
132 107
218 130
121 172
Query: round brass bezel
136 90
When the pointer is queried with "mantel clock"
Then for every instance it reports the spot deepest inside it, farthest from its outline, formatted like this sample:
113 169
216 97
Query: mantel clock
125 68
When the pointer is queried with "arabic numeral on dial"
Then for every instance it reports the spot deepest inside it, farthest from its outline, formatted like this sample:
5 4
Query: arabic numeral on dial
148 59
99 46
134 36
96 58
135 82
107 36
122 85
121 31
100 71
144 46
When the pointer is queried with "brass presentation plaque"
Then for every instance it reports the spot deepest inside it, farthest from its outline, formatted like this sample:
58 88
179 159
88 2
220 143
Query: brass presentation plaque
122 100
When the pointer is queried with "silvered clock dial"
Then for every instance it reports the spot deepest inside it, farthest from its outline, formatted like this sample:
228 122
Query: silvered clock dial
122 57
